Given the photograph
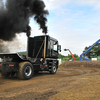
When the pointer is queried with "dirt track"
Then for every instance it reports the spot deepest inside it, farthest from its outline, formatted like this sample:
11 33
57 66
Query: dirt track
43 86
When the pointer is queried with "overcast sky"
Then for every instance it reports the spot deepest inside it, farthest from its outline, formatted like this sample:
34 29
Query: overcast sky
75 23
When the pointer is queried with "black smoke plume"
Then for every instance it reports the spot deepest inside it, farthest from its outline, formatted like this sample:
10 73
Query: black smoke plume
15 14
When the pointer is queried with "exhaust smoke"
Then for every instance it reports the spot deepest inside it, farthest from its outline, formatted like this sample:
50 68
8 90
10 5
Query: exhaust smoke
15 15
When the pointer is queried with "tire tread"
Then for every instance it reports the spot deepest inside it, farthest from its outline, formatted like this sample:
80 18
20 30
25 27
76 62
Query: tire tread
19 73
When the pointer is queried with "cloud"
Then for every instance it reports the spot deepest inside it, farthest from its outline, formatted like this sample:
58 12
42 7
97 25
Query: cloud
96 30
94 3
55 4
76 42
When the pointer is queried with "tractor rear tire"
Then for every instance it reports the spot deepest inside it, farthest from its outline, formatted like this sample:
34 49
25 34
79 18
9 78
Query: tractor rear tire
25 71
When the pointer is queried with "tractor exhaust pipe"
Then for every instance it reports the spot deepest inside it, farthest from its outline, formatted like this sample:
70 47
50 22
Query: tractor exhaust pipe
45 46
28 33
27 47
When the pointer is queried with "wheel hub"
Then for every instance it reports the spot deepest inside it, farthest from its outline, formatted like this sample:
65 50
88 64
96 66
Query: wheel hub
28 71
54 68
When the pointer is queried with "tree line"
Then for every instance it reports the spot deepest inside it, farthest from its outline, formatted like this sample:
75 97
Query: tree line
68 57
94 52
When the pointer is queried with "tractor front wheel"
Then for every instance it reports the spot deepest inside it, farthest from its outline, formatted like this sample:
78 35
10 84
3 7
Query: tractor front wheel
53 69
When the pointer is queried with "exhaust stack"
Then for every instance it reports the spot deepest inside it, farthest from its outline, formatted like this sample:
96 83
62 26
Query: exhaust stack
28 32
45 46
27 47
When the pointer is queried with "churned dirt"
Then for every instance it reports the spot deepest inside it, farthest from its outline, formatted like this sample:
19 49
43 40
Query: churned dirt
74 80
